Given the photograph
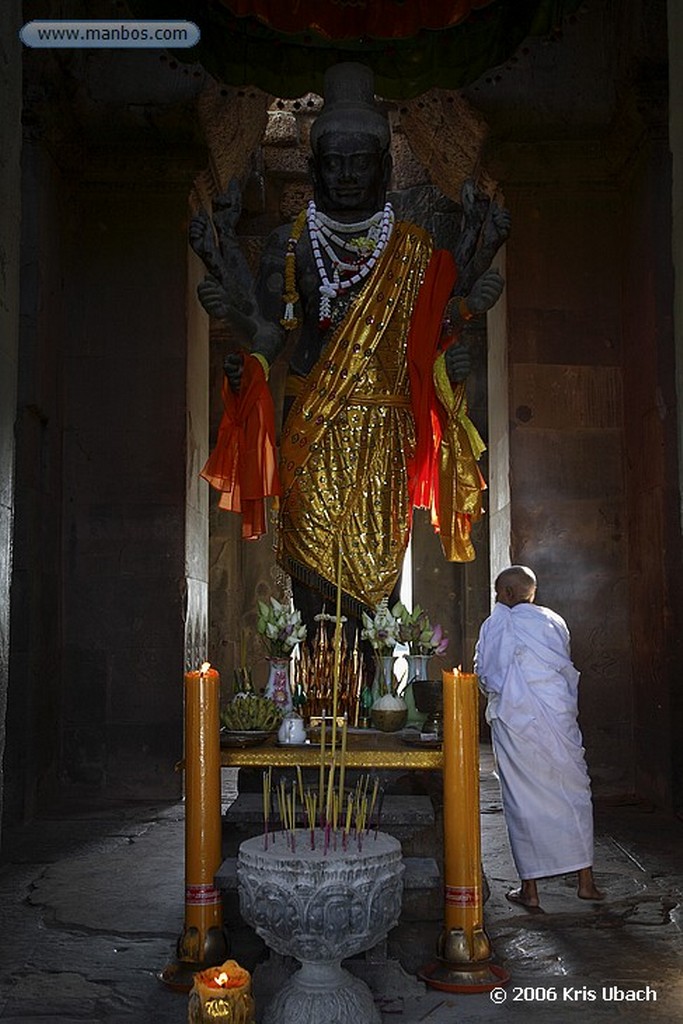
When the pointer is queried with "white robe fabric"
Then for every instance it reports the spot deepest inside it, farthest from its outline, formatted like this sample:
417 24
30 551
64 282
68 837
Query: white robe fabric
523 662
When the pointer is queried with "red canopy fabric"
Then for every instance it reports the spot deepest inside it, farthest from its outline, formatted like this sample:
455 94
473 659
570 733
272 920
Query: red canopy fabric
354 19
285 46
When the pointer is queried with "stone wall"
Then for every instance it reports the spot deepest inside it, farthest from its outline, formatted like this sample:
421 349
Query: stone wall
10 229
593 448
568 501
109 590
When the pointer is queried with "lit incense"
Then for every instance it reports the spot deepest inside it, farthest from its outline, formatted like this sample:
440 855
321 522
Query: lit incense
266 807
337 649
342 762
311 804
330 791
321 780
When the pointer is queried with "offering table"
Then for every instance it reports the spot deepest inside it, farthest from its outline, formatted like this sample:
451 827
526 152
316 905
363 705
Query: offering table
366 749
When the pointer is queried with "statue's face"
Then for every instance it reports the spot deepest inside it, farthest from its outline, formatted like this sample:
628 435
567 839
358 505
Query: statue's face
350 173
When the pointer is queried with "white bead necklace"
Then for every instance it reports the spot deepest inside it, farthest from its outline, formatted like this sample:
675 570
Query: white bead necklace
337 225
322 232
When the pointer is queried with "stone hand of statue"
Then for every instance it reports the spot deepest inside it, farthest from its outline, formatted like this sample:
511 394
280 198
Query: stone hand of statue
458 362
214 299
233 367
201 234
475 205
228 292
227 210
485 292
497 228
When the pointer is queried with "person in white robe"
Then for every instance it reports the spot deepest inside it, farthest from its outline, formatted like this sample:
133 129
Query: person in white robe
524 665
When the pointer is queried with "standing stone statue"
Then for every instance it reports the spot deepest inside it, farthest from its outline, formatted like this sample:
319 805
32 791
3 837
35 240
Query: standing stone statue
375 418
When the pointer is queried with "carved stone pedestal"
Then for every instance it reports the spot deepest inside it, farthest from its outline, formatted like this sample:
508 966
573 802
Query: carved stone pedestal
320 908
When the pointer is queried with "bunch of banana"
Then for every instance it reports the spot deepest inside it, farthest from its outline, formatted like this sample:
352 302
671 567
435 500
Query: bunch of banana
247 713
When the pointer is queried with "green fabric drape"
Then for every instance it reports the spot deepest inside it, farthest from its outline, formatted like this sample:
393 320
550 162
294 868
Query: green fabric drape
245 51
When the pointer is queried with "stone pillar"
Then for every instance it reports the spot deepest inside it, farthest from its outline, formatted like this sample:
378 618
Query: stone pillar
10 220
499 432
134 540
196 490
652 432
675 27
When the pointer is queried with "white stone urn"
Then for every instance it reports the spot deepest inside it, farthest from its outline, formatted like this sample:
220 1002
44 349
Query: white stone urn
321 907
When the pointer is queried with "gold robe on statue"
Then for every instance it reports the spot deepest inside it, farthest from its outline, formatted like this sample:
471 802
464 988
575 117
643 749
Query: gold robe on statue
350 436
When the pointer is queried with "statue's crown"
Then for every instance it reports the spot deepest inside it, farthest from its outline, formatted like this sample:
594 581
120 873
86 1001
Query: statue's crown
349 92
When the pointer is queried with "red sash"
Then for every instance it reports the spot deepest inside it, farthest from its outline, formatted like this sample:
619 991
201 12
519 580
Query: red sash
423 348
243 464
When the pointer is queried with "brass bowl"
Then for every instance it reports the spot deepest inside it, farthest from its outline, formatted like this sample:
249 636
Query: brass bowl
428 694
388 720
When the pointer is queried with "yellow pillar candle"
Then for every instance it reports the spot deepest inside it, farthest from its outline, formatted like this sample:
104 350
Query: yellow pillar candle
462 833
203 903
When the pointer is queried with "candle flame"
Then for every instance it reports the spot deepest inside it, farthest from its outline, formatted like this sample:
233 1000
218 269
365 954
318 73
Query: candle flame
206 665
222 978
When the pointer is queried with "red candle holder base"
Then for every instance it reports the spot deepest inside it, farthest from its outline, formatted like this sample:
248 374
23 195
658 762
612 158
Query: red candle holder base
179 974
465 978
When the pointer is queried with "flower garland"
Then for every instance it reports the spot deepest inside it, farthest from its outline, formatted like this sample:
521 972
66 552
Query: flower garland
290 296
323 232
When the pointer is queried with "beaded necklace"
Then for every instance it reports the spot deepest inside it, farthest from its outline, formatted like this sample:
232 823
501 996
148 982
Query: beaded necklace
323 231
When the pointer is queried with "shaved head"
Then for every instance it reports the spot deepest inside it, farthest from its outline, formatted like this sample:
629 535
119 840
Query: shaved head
515 585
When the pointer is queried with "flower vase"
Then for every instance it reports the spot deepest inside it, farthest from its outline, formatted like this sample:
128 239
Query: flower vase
383 682
417 669
278 688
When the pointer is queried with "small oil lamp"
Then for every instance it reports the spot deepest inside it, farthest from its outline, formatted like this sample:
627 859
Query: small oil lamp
221 993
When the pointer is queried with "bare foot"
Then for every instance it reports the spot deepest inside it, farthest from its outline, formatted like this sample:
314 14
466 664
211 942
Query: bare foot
590 893
523 899
587 889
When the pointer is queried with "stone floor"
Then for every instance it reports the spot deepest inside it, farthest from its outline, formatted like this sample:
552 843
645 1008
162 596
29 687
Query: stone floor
91 904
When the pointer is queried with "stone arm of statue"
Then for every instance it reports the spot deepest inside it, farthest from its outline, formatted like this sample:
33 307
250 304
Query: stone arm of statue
485 227
268 298
228 292
483 296
475 205
495 232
